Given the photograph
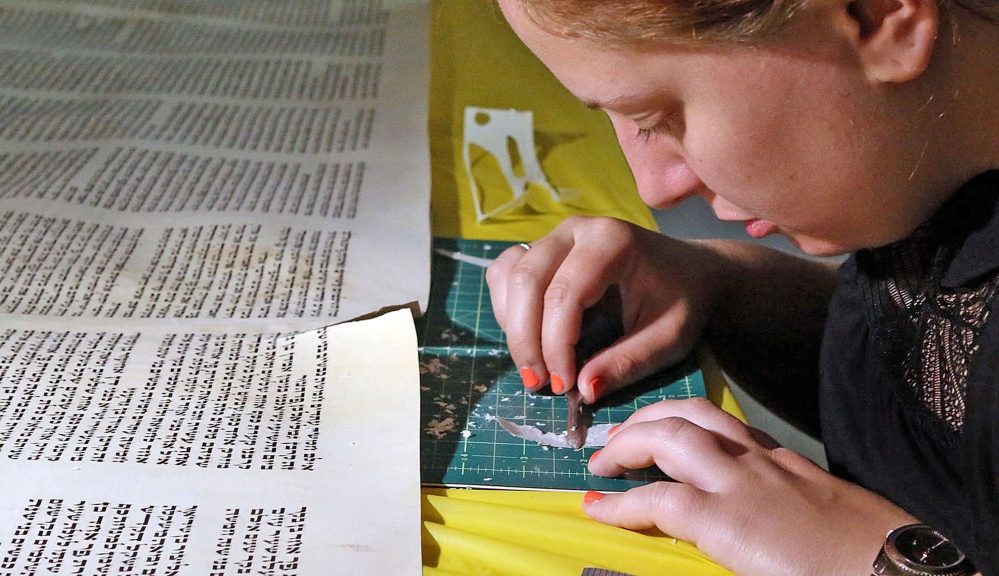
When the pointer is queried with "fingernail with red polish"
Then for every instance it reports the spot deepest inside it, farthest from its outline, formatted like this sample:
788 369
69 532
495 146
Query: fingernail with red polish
594 455
558 386
599 386
530 379
592 497
613 429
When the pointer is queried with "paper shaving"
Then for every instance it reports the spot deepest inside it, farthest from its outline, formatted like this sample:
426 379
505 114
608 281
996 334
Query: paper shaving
596 436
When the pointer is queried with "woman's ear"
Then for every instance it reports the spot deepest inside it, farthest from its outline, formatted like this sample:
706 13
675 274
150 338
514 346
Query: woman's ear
895 38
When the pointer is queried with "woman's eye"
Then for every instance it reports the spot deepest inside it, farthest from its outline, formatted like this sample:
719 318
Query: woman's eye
665 124
659 128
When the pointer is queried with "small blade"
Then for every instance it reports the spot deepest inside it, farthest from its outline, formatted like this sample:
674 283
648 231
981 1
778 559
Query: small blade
579 420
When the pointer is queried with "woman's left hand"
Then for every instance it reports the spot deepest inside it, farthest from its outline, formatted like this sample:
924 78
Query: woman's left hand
754 507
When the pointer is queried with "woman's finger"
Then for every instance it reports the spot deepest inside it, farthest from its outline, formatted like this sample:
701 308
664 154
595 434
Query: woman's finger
681 449
496 275
702 412
638 354
570 324
532 284
674 508
519 278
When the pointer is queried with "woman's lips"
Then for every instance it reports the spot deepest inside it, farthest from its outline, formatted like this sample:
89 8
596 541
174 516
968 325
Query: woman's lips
758 228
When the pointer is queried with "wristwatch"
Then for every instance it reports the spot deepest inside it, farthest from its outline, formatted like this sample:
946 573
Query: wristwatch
918 550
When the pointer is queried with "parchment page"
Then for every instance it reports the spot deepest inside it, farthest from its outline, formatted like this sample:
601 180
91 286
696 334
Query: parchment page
213 161
168 469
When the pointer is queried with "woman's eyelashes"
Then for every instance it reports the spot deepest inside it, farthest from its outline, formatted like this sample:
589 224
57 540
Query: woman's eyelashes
665 126
645 134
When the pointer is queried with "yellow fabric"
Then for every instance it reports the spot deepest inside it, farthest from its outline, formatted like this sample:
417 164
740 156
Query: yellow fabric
478 61
532 533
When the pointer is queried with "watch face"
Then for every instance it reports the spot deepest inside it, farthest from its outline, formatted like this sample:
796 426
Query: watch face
927 547
925 550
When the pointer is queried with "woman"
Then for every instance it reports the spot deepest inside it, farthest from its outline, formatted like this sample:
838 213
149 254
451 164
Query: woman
866 127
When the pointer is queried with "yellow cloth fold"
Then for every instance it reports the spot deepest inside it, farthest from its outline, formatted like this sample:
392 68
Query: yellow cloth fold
495 532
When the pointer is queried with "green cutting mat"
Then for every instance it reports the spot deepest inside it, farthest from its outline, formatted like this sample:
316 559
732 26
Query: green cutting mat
468 379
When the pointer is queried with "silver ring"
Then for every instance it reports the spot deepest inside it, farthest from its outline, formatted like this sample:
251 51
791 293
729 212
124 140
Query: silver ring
525 245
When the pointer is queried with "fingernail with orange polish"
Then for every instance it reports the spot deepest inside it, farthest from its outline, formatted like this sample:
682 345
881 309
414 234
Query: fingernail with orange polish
599 386
613 429
530 379
558 386
592 497
594 455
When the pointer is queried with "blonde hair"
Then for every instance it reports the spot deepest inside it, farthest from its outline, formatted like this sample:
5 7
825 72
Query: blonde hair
630 22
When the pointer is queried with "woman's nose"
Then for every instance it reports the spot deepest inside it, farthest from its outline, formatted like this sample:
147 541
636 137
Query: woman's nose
664 180
662 174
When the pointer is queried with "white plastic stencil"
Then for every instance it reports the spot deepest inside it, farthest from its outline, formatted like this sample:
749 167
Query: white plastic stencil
507 135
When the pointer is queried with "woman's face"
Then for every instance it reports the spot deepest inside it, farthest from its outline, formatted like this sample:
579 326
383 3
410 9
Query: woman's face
791 138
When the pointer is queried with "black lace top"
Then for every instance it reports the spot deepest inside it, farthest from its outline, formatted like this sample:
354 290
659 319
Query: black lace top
910 372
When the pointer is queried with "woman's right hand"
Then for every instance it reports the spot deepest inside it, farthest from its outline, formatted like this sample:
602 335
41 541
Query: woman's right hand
752 506
668 289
